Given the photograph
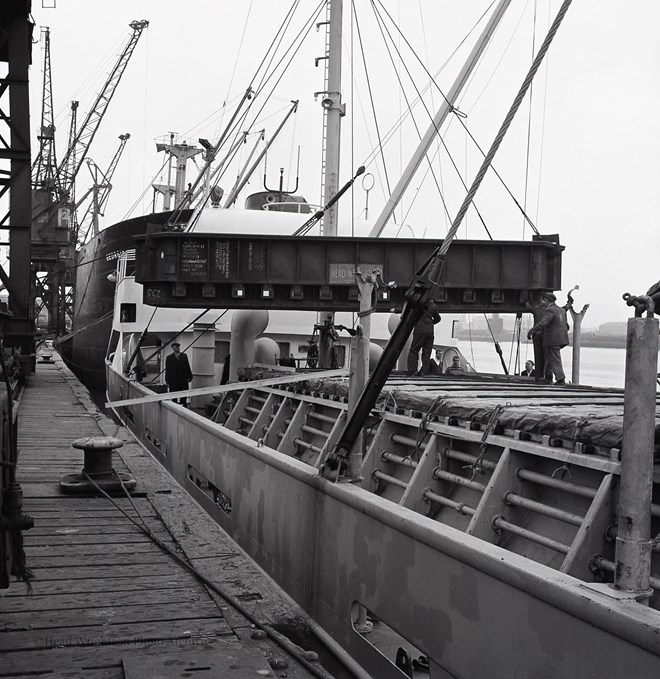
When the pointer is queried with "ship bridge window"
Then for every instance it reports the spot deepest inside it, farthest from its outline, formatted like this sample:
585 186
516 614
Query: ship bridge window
128 312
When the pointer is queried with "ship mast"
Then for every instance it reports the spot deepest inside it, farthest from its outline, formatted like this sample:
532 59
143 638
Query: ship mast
333 111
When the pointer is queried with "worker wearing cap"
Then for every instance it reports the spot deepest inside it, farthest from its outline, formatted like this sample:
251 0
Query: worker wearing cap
554 329
177 371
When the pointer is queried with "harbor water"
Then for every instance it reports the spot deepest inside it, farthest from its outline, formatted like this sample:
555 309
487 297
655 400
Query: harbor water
599 366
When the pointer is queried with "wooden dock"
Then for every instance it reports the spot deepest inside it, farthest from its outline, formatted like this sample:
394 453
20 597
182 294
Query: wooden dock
107 601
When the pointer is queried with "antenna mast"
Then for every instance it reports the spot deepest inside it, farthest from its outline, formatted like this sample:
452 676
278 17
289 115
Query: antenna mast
333 112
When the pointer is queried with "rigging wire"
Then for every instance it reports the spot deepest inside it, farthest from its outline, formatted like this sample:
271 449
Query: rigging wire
293 49
233 72
498 348
371 101
438 137
454 110
437 143
401 88
429 86
529 124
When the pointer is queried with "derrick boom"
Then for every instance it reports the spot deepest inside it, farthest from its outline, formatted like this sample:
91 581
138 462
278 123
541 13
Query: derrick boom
80 145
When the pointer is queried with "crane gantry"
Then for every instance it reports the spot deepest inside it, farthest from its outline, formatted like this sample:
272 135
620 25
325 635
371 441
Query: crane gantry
55 228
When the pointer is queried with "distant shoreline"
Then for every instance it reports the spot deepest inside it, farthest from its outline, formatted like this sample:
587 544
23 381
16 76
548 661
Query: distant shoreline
587 340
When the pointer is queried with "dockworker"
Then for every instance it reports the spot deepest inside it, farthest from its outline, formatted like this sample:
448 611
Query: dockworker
529 369
435 365
541 372
177 371
423 337
553 328
455 368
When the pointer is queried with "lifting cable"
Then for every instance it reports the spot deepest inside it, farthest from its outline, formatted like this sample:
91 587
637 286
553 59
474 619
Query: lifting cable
498 349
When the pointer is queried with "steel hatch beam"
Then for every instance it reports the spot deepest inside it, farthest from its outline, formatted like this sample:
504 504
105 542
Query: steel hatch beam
316 273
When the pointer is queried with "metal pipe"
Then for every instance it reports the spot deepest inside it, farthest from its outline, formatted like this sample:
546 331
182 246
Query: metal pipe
333 111
458 480
316 432
460 507
550 482
304 444
466 457
322 418
397 459
404 440
633 541
390 479
577 341
601 563
502 524
516 500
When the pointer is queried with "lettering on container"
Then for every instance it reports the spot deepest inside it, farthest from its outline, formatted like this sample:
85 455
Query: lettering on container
221 259
256 260
193 259
344 274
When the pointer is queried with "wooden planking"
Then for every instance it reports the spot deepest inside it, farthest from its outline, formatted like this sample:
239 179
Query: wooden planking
99 580
87 585
78 561
106 598
155 570
106 616
95 635
92 658
82 600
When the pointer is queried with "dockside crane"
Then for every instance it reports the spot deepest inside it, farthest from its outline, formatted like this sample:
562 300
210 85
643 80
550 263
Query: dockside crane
44 168
55 229
100 190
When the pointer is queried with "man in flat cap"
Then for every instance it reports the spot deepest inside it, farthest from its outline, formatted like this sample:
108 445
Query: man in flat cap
177 371
554 329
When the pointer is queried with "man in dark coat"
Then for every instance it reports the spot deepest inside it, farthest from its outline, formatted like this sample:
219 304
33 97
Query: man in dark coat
541 371
554 331
177 371
423 336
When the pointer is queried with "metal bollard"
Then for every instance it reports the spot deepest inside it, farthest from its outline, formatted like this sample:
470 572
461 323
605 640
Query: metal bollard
633 542
97 471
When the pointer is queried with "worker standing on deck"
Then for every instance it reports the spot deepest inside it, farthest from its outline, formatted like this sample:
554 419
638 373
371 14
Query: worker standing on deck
177 371
529 369
423 337
435 365
541 372
553 328
455 368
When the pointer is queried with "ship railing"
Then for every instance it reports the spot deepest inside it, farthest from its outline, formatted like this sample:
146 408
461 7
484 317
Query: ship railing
126 264
289 206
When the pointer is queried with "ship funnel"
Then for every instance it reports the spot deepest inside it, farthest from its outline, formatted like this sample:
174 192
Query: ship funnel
245 326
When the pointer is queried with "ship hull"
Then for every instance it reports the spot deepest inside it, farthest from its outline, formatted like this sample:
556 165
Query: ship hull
84 349
473 608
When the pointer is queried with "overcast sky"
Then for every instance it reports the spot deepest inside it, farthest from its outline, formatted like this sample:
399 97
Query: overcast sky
584 158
